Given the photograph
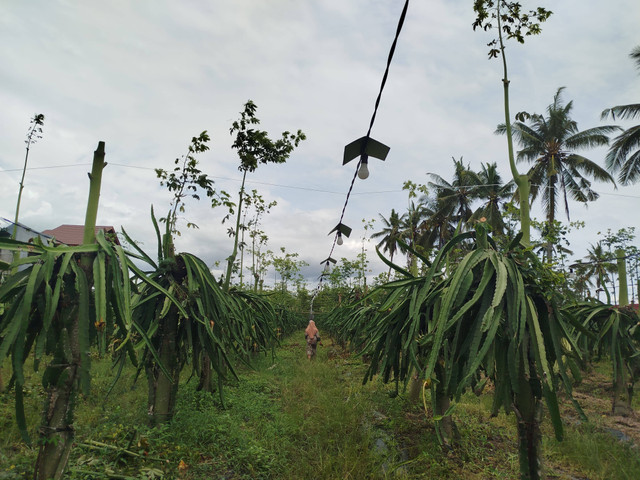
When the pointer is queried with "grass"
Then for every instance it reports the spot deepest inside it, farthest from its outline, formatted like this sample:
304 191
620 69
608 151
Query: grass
288 418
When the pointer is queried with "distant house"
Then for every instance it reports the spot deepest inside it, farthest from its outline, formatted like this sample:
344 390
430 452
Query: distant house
72 234
23 234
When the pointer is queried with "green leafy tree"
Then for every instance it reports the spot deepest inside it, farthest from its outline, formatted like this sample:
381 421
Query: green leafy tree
437 228
254 147
599 267
553 244
288 267
580 280
255 207
187 180
260 259
624 155
551 143
412 221
174 329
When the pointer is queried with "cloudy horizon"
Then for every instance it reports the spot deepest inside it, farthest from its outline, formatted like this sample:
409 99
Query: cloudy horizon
145 77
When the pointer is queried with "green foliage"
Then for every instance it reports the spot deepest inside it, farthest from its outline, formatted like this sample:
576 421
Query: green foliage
186 179
287 418
512 21
255 147
288 267
40 309
551 144
612 331
494 314
623 157
255 207
210 322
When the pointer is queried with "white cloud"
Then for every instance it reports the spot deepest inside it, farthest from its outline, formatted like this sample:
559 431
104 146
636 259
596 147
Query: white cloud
147 76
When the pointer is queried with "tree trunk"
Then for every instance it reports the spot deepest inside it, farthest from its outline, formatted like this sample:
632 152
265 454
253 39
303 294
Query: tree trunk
623 296
528 410
232 258
162 390
441 405
551 218
56 430
415 387
622 396
205 383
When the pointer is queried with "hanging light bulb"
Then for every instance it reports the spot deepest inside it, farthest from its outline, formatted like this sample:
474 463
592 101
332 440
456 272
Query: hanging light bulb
339 241
363 171
326 267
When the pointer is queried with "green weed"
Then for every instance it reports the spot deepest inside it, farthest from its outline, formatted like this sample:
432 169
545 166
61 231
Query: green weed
288 418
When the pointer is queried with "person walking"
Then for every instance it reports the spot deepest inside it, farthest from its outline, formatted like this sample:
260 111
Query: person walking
312 337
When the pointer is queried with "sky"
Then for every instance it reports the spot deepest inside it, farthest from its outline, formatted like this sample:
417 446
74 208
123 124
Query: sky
147 76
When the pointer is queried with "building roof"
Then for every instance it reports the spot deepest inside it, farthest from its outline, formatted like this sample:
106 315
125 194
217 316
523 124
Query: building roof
24 233
72 234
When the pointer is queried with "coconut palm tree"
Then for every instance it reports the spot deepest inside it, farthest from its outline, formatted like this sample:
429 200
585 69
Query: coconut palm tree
455 198
411 223
621 157
390 234
550 144
599 266
494 194
438 227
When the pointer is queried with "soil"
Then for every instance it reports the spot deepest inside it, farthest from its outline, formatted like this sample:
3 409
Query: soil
594 396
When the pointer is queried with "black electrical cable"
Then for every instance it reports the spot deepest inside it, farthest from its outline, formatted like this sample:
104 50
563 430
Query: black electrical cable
373 119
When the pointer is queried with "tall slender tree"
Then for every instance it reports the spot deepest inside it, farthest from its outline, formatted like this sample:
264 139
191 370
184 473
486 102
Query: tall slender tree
624 155
255 147
33 135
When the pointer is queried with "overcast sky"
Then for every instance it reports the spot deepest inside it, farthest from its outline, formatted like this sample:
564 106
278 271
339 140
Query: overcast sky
145 76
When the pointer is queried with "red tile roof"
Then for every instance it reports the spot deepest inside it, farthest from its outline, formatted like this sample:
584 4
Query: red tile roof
72 234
